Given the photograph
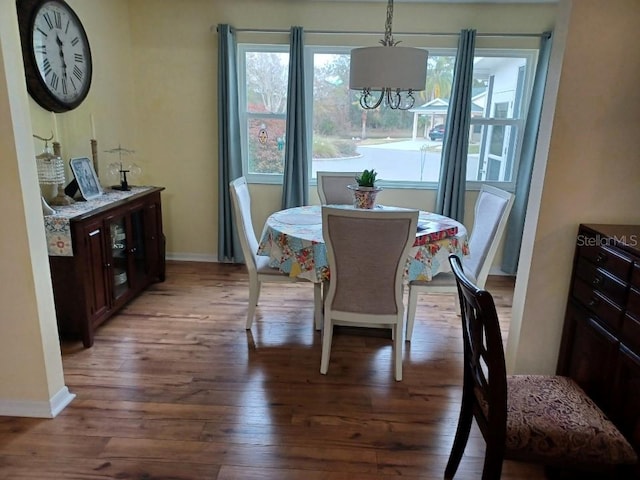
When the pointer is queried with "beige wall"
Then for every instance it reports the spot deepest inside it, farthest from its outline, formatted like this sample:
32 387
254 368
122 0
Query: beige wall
31 377
175 89
154 91
110 99
31 380
592 172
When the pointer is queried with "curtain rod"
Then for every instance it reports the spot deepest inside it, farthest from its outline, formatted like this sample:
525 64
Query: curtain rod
347 32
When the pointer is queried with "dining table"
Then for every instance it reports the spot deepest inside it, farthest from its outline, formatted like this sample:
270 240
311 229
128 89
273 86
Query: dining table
293 241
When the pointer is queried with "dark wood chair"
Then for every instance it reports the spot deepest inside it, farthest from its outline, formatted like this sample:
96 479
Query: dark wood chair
546 419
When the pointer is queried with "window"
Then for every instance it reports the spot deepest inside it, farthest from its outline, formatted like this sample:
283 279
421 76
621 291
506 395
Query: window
404 147
502 80
263 103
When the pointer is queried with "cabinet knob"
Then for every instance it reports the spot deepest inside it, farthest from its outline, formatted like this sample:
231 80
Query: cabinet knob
601 258
107 265
594 302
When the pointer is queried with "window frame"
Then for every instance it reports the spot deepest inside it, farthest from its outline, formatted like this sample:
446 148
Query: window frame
243 49
529 54
524 96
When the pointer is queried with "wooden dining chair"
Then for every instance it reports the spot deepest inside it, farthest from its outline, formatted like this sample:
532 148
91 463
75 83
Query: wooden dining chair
332 187
367 251
492 209
258 266
545 419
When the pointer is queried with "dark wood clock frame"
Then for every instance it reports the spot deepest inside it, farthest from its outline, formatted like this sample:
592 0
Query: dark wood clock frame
36 86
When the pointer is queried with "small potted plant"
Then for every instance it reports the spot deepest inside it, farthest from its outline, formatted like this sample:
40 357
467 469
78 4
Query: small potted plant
365 189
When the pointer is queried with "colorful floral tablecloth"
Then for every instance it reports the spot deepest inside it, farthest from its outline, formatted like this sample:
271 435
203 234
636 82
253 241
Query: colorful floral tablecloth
292 239
58 226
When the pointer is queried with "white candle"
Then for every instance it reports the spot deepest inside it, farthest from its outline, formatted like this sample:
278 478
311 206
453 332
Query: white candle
93 127
56 138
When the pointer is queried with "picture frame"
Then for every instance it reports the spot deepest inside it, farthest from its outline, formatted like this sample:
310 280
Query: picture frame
85 175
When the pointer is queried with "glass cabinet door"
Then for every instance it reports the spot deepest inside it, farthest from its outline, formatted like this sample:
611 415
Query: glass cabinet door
137 246
119 245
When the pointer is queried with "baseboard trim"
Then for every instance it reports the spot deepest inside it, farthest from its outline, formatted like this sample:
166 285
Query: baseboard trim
192 257
37 409
198 257
499 273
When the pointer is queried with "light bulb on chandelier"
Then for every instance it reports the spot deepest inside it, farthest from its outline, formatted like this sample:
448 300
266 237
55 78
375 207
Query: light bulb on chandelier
395 72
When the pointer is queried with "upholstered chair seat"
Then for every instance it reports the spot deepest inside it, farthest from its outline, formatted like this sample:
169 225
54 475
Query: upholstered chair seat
551 420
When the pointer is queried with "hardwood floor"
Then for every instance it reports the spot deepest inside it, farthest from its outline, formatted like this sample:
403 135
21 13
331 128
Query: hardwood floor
175 388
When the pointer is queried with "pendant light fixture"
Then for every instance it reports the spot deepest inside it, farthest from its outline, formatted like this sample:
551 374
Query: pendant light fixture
390 73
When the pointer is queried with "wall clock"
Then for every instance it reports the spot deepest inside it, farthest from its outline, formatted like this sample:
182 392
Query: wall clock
56 54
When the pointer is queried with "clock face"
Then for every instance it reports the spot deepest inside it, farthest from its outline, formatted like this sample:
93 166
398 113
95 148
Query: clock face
57 58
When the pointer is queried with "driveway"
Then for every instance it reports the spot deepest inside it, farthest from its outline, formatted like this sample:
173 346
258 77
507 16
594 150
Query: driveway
394 161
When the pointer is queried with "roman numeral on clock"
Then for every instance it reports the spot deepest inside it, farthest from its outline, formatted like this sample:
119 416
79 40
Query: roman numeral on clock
54 81
77 72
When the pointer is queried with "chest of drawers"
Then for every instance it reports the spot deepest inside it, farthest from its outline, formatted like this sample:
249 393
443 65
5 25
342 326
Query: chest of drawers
600 346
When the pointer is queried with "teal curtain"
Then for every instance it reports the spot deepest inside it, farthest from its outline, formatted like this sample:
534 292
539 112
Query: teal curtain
229 144
515 226
453 172
295 188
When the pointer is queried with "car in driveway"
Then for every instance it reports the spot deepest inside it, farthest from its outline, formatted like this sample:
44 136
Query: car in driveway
437 132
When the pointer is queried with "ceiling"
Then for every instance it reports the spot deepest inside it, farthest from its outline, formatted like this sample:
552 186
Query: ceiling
448 1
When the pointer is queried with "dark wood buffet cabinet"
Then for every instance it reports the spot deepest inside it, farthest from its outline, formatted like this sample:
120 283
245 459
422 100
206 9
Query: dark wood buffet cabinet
600 346
118 250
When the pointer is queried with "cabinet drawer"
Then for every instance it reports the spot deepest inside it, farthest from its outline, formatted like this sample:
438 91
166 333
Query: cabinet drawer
635 275
596 302
609 260
631 332
633 303
591 356
600 280
626 414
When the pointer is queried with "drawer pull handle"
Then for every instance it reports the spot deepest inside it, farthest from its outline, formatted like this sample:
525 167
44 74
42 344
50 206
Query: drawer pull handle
597 280
601 258
594 302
